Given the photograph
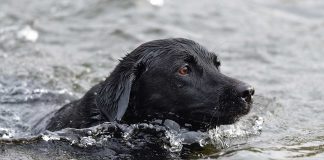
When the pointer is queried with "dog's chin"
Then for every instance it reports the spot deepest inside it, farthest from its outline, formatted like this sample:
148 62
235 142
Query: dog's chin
232 111
212 118
244 109
232 116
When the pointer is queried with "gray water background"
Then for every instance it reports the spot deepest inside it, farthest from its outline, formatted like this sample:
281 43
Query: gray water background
52 52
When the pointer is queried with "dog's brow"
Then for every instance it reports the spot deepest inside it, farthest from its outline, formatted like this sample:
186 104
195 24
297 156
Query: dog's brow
216 61
214 55
190 59
193 61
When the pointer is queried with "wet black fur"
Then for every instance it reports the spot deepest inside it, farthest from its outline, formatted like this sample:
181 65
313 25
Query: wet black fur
146 86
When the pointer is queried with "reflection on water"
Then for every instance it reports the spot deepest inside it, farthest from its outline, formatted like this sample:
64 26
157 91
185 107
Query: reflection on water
52 52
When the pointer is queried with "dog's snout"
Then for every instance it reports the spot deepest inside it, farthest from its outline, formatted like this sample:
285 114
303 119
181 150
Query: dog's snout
246 92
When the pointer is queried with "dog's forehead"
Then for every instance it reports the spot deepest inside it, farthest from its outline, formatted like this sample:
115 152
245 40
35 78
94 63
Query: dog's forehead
202 54
198 53
190 54
175 49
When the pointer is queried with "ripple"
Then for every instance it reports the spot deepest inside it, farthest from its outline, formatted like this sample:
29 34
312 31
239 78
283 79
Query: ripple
23 95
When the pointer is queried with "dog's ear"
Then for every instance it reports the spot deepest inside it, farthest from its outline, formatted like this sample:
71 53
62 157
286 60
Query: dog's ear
114 93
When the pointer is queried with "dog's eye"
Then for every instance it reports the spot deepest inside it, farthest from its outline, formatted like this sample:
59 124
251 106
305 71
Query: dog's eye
183 70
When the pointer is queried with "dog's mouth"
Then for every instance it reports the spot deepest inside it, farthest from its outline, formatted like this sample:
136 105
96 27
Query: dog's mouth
204 121
235 106
228 113
233 112
245 106
202 116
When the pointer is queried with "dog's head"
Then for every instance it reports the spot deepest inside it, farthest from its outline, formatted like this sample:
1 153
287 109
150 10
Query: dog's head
173 79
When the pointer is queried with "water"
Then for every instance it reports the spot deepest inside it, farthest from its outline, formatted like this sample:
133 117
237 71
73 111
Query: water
52 52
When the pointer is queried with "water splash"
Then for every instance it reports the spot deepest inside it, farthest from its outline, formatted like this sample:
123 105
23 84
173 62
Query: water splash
220 137
158 3
87 137
6 133
227 135
28 34
174 137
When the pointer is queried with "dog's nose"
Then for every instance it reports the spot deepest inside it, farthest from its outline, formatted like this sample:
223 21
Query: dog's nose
246 92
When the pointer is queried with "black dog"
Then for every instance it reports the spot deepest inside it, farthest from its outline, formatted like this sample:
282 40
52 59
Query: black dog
174 79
